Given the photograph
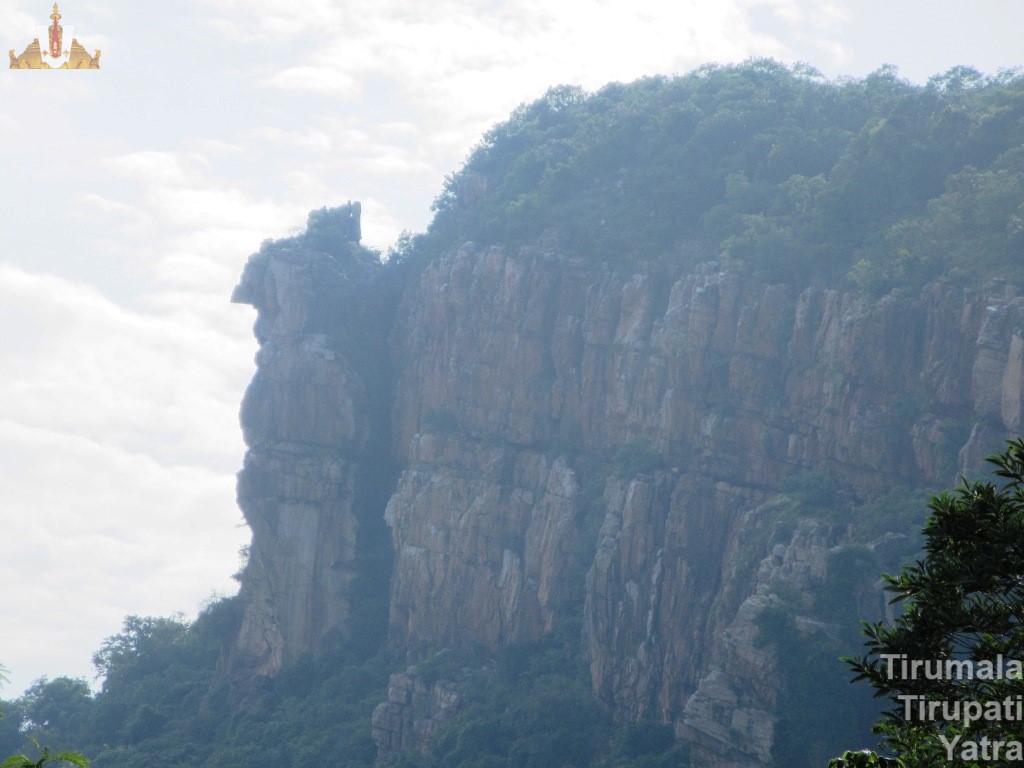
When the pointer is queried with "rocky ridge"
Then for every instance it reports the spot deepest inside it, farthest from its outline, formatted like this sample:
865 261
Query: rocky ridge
515 390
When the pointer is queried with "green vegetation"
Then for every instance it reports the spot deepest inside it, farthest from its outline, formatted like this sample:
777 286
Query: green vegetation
647 745
865 758
963 610
46 755
817 707
815 495
533 708
332 230
874 183
162 704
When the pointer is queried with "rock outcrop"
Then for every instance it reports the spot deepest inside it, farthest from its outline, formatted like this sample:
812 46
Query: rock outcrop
413 712
518 388
315 420
730 717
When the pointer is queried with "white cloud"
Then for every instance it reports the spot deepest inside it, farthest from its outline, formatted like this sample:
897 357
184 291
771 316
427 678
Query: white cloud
214 207
384 227
104 205
79 364
274 20
17 24
8 126
835 50
830 14
463 65
93 42
205 225
219 147
118 427
152 166
96 533
787 10
315 79
312 140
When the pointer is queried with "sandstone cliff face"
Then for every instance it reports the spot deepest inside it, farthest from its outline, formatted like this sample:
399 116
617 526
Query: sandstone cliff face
312 428
517 378
482 535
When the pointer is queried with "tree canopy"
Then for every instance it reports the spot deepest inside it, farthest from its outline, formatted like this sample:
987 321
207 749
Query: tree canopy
775 168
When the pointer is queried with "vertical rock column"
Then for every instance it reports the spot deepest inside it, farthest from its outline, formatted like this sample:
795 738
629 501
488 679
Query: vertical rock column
311 417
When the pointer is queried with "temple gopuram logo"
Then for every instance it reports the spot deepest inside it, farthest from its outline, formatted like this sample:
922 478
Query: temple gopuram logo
55 48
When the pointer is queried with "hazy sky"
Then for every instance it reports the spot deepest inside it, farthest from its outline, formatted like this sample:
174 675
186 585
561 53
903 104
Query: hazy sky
131 197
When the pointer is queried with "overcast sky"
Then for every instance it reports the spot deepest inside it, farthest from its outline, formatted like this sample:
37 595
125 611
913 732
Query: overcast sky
131 197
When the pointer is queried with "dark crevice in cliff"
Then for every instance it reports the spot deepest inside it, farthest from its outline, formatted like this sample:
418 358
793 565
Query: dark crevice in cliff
367 630
319 469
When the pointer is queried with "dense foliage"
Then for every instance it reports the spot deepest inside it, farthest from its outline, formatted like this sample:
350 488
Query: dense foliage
877 182
163 706
44 755
532 708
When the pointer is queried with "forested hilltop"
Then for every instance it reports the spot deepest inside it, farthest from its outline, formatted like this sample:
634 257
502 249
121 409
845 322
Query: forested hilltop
776 168
602 469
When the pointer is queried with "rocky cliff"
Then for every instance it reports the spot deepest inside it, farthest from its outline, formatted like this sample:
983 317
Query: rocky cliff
316 430
549 439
